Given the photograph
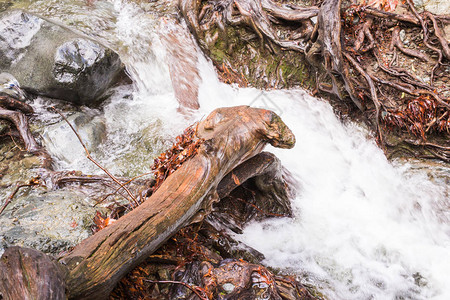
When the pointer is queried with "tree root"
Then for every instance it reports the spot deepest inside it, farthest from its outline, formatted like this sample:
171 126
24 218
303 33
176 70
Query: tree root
291 13
20 121
410 52
389 15
364 32
373 92
32 182
324 46
13 104
15 112
247 13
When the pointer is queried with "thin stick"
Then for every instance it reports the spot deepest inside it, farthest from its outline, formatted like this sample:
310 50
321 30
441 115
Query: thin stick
384 14
425 38
122 186
88 155
18 186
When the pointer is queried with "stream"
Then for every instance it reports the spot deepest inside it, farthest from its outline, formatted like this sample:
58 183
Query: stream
364 227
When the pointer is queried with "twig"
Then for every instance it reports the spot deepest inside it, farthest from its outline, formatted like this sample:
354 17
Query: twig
88 155
400 73
425 38
363 32
122 186
32 182
440 35
411 52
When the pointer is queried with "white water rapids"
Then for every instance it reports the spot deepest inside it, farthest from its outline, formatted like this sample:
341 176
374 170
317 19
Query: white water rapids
364 227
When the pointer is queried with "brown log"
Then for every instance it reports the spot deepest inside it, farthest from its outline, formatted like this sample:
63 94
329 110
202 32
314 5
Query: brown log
30 274
257 165
232 135
255 190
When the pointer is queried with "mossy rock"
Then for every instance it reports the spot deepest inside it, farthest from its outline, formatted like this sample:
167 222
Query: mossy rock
261 65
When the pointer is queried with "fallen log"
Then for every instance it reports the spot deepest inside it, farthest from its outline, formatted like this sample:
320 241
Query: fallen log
257 189
232 135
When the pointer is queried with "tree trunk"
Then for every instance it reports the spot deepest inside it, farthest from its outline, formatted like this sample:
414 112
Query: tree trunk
232 135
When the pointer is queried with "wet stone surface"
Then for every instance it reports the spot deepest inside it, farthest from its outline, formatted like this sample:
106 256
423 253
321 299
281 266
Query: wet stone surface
38 217
51 60
47 221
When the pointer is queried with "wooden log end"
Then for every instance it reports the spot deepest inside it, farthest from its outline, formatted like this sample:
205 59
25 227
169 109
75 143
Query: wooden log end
30 274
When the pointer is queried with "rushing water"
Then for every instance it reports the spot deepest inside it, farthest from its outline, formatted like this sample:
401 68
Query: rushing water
364 227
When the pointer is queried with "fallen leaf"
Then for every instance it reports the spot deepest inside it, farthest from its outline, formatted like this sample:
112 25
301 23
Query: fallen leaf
235 179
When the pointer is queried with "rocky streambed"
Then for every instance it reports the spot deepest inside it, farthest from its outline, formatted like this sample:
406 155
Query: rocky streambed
86 67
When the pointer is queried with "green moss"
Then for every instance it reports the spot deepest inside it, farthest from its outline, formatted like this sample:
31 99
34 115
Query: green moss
239 47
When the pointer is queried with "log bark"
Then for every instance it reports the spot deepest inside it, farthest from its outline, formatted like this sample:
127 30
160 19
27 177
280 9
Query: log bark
266 185
30 274
232 135
264 163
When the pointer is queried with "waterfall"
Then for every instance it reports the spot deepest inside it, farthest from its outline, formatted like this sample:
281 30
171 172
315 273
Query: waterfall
364 227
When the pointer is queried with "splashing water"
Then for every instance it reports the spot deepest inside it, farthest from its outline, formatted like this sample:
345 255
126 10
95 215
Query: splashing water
364 228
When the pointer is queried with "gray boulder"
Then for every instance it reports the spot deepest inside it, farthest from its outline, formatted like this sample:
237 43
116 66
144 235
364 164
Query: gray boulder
51 60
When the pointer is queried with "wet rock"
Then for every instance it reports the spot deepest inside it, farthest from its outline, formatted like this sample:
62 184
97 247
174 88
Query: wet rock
60 140
49 221
440 7
51 60
40 218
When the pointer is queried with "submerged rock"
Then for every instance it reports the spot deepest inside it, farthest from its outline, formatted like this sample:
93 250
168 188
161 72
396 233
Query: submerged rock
39 217
51 60
49 221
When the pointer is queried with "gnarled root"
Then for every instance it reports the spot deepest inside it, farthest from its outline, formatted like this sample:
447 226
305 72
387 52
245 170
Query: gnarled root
257 15
375 86
20 121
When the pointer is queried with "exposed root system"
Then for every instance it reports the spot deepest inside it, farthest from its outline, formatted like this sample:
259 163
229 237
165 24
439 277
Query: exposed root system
14 111
381 60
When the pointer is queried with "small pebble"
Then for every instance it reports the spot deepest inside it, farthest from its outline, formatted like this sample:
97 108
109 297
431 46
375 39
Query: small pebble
402 35
228 287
